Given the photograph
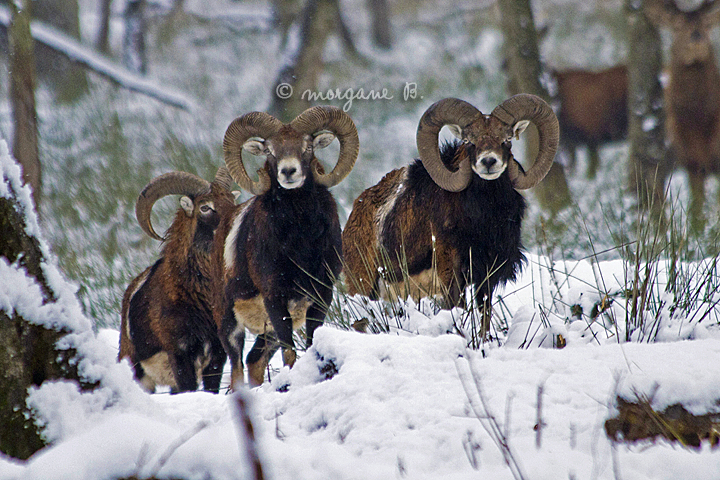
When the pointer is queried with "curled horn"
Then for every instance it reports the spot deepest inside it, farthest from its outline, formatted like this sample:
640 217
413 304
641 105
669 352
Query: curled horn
530 107
448 111
223 178
173 183
253 124
325 117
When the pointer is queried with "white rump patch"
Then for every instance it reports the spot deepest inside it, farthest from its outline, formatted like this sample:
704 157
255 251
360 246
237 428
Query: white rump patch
157 371
141 281
424 284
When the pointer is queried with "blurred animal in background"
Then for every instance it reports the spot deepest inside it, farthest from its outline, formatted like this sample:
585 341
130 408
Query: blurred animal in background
168 330
692 95
283 247
452 218
592 111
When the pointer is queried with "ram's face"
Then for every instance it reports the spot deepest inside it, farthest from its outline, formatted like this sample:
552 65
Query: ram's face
289 157
488 147
203 207
488 157
691 44
289 154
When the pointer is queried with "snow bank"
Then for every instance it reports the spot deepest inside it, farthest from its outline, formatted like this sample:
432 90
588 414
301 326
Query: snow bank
60 405
396 404
359 406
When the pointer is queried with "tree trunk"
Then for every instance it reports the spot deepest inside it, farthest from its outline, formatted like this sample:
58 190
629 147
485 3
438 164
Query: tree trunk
172 25
28 351
67 80
523 63
304 69
284 13
381 29
134 54
103 38
319 19
649 159
22 97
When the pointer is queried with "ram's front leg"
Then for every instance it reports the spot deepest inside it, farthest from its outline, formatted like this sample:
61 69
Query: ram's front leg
449 274
697 201
183 368
277 310
212 374
259 356
316 313
232 337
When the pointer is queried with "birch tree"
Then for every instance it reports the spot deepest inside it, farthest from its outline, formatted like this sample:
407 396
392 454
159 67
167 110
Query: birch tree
381 27
134 54
103 37
319 19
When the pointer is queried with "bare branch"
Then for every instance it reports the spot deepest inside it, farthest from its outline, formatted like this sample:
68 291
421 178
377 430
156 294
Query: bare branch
172 448
540 424
478 403
79 53
246 432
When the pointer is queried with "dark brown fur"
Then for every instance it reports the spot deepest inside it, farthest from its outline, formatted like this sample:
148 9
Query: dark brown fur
476 231
692 96
169 307
287 248
593 110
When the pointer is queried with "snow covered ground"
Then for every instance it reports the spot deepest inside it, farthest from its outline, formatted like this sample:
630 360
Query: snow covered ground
395 405
396 408
405 404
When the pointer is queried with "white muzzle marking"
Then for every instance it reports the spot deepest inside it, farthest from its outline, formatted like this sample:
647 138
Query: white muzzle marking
289 173
489 166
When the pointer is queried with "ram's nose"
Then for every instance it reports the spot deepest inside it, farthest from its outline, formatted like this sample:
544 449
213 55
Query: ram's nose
488 162
288 172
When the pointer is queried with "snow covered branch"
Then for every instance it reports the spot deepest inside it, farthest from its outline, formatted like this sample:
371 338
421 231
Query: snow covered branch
77 52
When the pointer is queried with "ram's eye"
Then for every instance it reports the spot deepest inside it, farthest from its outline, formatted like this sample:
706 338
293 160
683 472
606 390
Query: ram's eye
205 209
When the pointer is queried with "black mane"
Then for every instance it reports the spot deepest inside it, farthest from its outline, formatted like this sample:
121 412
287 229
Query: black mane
484 219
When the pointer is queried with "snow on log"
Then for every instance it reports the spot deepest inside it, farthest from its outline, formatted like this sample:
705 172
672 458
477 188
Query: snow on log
50 356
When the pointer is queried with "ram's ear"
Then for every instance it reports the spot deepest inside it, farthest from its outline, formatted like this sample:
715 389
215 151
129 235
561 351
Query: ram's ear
187 205
456 131
236 194
519 128
322 140
255 147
